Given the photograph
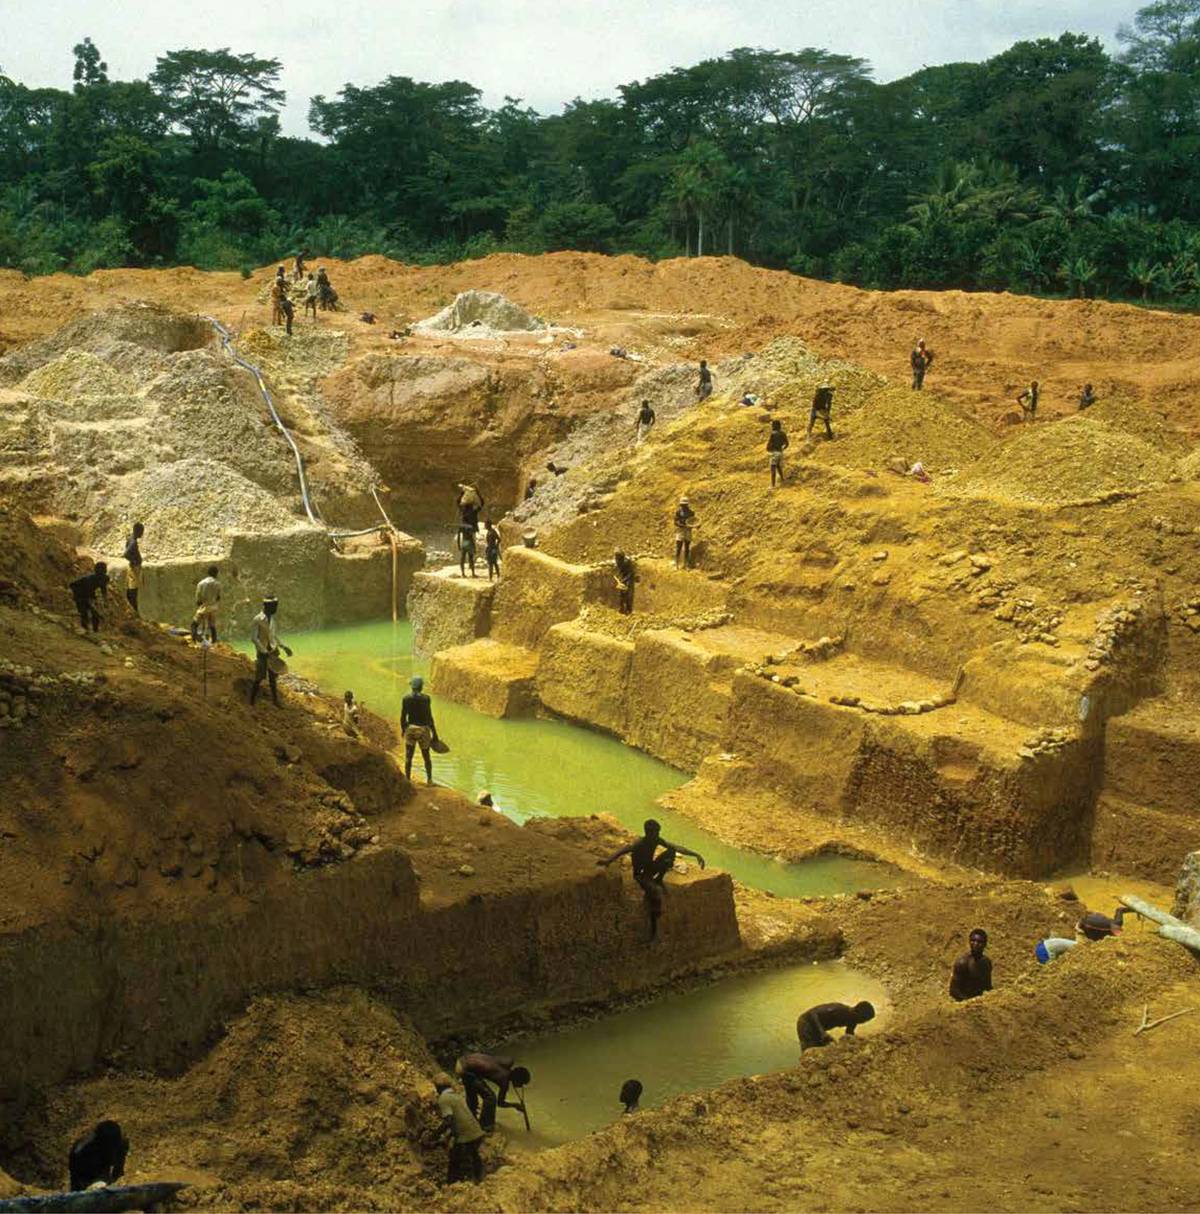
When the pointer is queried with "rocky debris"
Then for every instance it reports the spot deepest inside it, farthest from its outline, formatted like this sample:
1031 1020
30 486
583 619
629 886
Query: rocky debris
23 693
908 708
1187 890
1116 626
188 507
336 833
1032 622
1045 741
819 650
480 314
1187 613
606 620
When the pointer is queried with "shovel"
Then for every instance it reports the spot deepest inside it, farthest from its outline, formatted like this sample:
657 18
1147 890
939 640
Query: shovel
524 1110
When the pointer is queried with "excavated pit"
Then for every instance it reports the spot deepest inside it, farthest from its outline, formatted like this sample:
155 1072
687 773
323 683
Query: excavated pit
870 685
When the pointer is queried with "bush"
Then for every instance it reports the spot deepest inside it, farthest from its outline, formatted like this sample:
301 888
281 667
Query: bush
108 247
587 226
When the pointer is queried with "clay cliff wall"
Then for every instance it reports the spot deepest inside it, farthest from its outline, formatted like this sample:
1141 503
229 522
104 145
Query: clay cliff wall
152 992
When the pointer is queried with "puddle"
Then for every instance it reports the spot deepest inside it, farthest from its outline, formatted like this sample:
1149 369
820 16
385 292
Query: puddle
744 1025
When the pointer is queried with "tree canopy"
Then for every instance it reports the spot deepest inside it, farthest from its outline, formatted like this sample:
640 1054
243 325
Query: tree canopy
1051 167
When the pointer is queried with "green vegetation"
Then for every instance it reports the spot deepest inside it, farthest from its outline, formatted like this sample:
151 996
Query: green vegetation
1052 167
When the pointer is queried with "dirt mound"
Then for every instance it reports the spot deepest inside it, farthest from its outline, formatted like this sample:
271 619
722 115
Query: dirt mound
1078 459
481 314
77 373
99 811
189 507
327 1096
212 409
910 426
148 326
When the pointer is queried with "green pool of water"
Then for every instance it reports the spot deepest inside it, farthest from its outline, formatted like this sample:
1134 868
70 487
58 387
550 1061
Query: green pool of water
549 768
745 1025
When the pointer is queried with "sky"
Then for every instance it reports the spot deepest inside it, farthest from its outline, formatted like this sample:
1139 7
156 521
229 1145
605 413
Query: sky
543 53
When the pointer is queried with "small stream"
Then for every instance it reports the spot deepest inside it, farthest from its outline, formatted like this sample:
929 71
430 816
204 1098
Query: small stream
689 1042
537 768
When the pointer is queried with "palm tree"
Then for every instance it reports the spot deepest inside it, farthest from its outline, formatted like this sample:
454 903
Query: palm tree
977 190
1078 273
1072 207
698 185
1146 274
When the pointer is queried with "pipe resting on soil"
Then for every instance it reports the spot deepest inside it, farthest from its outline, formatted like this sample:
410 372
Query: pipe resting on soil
1168 926
227 343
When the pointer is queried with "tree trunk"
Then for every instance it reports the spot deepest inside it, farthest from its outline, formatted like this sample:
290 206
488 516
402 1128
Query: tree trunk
700 234
730 250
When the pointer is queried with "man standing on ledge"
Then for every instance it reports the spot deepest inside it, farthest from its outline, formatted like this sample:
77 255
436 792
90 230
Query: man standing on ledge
650 871
704 388
972 973
133 575
266 650
416 724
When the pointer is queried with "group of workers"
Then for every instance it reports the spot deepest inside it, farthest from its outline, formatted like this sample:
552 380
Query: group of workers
470 511
318 293
468 1115
487 1079
88 589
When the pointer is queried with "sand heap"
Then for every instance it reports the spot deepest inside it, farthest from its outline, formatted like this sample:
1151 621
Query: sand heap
897 424
181 445
307 1102
481 314
1080 459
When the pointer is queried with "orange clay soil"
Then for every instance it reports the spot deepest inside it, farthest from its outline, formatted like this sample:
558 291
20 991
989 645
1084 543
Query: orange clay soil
987 345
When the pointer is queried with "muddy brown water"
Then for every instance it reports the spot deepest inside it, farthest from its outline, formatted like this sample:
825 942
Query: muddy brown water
687 1042
545 767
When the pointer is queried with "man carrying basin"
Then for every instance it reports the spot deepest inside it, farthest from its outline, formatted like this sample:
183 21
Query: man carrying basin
478 1072
649 871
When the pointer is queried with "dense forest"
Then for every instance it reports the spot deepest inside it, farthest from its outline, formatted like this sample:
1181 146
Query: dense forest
1053 167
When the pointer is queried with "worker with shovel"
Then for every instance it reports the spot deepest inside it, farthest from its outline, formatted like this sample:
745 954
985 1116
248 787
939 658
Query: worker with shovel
267 662
478 1072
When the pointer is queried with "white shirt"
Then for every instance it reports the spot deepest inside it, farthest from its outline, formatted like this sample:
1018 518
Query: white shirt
263 634
208 593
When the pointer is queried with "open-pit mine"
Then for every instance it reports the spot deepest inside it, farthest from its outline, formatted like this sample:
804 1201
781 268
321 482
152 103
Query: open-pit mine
944 677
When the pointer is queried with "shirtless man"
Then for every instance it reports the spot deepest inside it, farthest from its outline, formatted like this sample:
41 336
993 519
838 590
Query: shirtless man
813 1026
649 870
972 973
478 1072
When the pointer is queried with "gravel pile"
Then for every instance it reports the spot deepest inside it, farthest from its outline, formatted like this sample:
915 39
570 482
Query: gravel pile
187 507
480 314
211 409
311 353
77 372
149 327
1076 460
898 424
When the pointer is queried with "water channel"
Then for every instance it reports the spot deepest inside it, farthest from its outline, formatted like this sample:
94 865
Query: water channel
545 767
683 1042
